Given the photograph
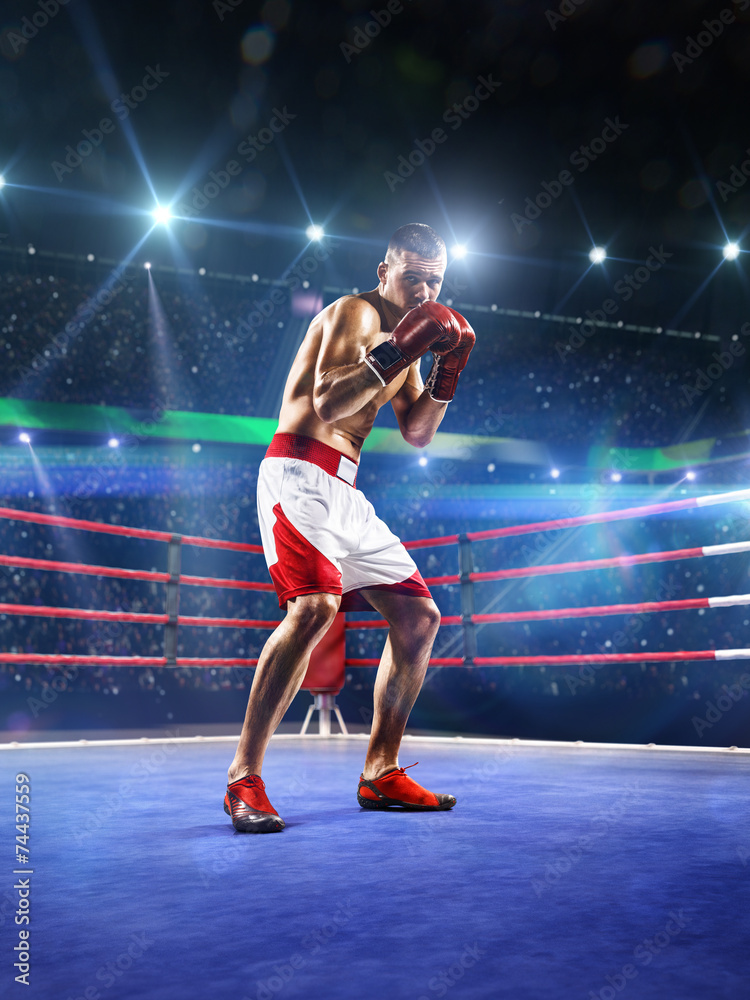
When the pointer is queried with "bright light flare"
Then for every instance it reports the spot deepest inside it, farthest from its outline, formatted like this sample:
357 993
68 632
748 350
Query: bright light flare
147 265
555 473
423 460
113 442
597 255
24 438
315 232
731 251
2 181
616 477
161 215
690 475
459 251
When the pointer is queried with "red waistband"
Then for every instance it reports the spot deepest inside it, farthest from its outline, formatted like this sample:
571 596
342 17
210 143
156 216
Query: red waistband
307 449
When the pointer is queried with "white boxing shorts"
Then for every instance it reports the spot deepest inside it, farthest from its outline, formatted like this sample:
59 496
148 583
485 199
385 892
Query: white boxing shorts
320 534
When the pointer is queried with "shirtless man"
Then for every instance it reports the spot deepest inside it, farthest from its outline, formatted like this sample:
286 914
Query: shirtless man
325 547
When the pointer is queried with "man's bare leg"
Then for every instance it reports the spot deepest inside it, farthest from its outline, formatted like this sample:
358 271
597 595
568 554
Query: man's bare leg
278 676
414 624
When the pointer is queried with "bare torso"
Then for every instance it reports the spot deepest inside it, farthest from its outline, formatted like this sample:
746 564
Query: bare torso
342 333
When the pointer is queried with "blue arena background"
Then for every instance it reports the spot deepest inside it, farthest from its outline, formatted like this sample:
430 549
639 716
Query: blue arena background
553 415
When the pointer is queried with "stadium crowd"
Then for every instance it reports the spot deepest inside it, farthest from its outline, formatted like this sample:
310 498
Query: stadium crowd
210 349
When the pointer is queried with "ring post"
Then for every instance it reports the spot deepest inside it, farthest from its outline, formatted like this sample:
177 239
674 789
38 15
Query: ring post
465 569
174 557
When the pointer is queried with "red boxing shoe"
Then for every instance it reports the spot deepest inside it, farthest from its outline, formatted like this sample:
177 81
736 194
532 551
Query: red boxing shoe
396 788
247 803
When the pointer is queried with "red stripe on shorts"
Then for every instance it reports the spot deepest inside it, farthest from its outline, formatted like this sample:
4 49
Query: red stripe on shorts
300 567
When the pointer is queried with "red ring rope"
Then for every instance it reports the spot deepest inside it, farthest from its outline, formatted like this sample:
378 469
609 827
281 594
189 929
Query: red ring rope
34 610
575 567
644 607
121 529
624 513
163 619
124 661
53 565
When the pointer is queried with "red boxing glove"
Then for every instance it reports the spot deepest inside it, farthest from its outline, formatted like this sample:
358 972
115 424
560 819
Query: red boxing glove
428 327
443 378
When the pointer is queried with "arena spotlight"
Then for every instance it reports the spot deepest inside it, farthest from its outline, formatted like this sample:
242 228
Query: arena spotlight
90 258
314 232
24 438
690 475
113 442
616 477
2 181
147 265
597 255
161 215
731 251
423 460
459 251
555 473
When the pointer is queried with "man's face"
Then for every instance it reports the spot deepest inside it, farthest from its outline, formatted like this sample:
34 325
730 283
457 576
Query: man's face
408 280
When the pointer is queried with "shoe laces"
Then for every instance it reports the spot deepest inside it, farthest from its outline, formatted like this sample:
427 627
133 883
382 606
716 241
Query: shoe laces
400 770
251 781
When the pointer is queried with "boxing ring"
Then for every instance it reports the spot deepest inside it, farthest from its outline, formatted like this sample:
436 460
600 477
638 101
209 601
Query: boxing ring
565 870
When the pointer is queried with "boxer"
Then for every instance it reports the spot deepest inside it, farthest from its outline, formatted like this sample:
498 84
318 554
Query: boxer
325 547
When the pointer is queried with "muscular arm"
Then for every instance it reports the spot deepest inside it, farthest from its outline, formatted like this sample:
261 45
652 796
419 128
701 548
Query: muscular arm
418 415
344 384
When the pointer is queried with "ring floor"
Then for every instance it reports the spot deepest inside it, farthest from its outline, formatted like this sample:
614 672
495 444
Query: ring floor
561 873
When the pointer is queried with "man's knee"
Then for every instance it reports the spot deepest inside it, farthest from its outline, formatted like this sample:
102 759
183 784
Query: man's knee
432 616
424 621
314 614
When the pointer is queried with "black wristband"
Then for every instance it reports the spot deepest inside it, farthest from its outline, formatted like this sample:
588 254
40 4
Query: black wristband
386 355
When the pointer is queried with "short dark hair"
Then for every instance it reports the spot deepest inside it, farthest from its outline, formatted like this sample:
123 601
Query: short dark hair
417 238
